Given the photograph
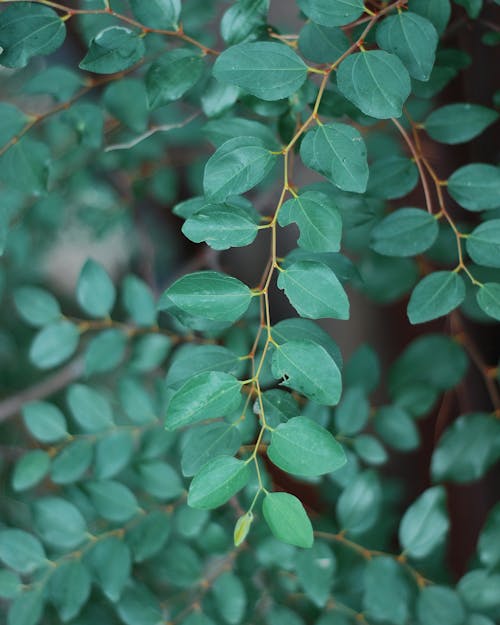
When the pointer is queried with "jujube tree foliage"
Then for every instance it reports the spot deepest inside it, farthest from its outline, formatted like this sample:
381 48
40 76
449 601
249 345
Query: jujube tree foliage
157 475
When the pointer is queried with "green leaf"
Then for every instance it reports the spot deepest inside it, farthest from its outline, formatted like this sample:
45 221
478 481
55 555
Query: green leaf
172 75
230 598
405 232
163 14
351 415
287 519
473 7
303 447
209 294
309 369
458 123
110 563
44 421
363 370
483 244
338 152
221 226
26 166
206 442
270 71
242 19
436 11
359 504
376 82
95 290
160 480
435 295
396 428
314 290
72 462
279 406
319 221
149 535
237 166
192 359
112 454
27 30
392 177
59 523
413 39
10 584
386 594
488 545
12 121
138 301
105 351
370 450
219 130
126 99
315 570
54 344
439 605
322 44
424 524
90 409
112 500
329 13
36 306
139 606
57 81
207 395
30 469
112 50
488 299
21 551
149 352
69 589
467 449
476 187
27 609
479 590
217 481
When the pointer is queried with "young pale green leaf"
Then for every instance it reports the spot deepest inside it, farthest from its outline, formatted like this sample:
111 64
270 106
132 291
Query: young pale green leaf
413 39
206 442
489 540
27 609
329 13
476 187
113 500
267 70
435 295
112 50
319 221
90 408
221 226
72 462
467 449
439 605
287 519
27 30
386 596
69 588
36 306
338 152
162 14
322 44
237 166
309 369
395 426
44 421
405 232
359 504
230 598
95 291
376 82
488 299
54 344
217 481
172 75
110 562
314 290
458 123
59 523
209 294
30 469
315 570
243 19
303 447
483 244
242 527
21 551
425 523
207 395
436 11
